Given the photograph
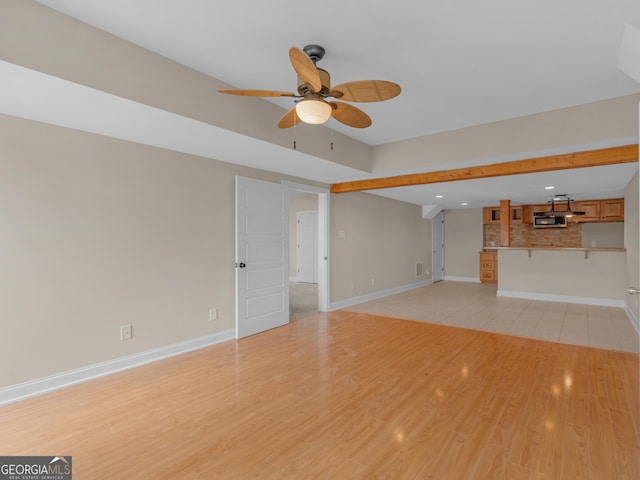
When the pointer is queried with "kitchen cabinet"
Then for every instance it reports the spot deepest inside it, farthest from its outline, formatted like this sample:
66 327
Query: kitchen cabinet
489 267
491 215
591 210
610 210
519 214
540 208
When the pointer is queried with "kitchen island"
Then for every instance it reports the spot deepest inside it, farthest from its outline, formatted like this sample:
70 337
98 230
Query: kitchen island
594 276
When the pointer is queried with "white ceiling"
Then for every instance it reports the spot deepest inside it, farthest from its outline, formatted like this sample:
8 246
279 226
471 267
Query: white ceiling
459 64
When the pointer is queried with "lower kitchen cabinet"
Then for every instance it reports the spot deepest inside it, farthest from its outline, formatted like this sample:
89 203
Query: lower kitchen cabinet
489 267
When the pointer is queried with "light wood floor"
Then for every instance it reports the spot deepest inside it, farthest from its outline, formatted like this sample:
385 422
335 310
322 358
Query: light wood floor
349 396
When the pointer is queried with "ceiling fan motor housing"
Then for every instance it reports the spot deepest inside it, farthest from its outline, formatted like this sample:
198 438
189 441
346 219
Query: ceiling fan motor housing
325 79
315 52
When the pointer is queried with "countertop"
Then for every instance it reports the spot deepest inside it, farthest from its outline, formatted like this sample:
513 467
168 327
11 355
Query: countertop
561 249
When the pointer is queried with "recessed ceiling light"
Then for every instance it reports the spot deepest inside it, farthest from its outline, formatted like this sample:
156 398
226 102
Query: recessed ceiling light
439 196
464 204
550 187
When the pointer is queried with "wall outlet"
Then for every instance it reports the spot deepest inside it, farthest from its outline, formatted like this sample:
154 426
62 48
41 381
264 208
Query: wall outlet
126 332
213 314
373 281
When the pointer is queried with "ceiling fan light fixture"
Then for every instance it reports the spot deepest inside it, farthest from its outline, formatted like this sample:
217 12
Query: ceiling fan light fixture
313 111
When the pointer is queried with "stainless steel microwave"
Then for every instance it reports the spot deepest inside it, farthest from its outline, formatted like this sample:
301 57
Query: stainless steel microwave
547 221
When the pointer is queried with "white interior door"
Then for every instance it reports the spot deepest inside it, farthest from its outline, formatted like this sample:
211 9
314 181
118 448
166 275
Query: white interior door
262 256
437 242
307 246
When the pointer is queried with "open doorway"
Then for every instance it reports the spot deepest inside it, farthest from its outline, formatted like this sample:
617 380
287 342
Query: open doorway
308 260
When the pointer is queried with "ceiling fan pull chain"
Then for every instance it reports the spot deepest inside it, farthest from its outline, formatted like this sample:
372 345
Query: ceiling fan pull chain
331 138
295 133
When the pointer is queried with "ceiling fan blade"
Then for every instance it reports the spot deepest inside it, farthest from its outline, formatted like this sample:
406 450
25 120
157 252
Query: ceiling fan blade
289 119
257 93
305 68
366 91
349 115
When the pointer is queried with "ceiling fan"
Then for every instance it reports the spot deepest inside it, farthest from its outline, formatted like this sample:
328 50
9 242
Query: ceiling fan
314 87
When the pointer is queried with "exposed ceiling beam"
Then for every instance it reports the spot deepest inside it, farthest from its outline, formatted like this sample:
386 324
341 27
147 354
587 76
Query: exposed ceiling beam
589 158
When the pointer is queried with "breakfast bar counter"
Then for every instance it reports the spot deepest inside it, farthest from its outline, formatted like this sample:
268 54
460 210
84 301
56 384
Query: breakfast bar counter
576 275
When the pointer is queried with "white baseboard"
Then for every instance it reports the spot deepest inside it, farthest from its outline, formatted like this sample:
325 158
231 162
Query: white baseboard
632 318
21 391
548 297
349 302
450 278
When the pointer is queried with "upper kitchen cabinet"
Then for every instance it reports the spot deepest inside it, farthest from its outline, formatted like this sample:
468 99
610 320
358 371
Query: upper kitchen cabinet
539 208
591 209
519 214
491 215
611 210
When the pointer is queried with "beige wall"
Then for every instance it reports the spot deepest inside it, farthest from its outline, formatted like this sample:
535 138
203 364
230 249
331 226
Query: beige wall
298 202
603 234
96 233
373 238
632 243
463 237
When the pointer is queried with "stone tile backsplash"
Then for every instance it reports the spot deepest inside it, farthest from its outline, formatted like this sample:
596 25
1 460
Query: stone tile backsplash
524 235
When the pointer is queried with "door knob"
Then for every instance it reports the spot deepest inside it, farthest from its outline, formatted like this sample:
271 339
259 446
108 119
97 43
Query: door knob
633 291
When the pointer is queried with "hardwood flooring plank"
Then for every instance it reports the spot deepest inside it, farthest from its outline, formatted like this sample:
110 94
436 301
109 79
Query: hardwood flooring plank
529 427
602 463
575 453
627 449
509 425
550 454
628 368
577 381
